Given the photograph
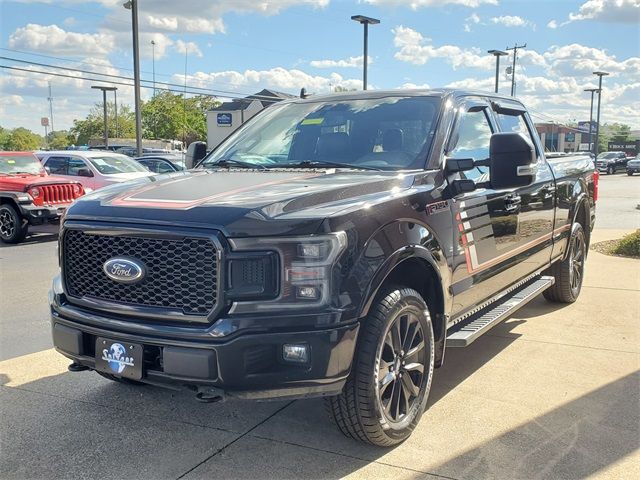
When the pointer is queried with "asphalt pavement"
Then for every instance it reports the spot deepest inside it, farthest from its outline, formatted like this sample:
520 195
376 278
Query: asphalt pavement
551 393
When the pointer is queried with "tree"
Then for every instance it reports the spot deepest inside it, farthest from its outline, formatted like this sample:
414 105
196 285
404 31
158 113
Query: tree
613 132
174 117
20 139
93 125
59 140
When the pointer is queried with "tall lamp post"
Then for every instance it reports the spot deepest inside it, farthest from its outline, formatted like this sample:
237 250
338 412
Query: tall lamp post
497 54
600 75
133 6
366 21
115 105
104 109
592 90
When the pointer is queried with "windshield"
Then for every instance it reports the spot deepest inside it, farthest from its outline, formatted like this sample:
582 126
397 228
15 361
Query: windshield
13 164
116 163
609 155
387 133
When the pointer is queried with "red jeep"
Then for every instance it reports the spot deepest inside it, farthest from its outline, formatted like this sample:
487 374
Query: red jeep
29 195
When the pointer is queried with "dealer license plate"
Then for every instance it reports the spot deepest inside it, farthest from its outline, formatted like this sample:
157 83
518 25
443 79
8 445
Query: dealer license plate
119 358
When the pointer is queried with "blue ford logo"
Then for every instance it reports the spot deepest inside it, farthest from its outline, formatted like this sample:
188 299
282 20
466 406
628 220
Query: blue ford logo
124 270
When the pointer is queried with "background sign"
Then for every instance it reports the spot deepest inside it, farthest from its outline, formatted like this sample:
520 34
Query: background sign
44 121
584 126
224 119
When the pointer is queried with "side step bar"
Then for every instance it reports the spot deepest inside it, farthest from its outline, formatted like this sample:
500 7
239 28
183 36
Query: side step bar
464 333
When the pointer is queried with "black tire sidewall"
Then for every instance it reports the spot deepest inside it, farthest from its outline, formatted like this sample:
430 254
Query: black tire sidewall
19 230
409 300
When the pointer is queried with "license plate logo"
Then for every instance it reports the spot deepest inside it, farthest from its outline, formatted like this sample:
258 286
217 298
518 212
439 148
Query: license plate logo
116 357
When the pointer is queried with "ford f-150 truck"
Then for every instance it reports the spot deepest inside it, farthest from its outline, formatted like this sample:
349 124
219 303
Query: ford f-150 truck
332 246
29 195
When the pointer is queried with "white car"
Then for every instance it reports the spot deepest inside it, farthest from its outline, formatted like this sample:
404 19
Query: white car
93 168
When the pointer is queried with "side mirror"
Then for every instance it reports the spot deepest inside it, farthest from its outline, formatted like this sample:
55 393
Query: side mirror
512 161
48 170
85 172
195 152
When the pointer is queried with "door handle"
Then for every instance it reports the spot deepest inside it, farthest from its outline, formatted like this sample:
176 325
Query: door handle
512 203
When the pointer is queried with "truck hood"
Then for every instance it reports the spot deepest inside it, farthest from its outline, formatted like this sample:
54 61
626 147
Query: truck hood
241 202
22 182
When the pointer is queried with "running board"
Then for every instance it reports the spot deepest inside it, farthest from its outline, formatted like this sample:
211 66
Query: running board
467 331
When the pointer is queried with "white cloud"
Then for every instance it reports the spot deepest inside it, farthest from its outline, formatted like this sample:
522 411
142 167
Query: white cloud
351 62
580 60
613 11
511 21
190 48
413 86
53 39
278 78
472 19
416 49
416 4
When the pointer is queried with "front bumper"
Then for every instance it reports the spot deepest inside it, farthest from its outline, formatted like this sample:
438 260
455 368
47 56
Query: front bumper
39 214
246 366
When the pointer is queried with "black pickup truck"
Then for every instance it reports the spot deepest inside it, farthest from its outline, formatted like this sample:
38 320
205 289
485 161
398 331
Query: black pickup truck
332 246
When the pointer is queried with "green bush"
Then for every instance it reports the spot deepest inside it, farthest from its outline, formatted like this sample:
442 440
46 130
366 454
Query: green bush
629 245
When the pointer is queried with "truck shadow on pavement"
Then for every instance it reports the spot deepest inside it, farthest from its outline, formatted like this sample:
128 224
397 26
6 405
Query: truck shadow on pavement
77 424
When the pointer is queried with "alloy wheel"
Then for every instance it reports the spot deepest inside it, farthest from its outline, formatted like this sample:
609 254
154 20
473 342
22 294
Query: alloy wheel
401 367
7 224
576 261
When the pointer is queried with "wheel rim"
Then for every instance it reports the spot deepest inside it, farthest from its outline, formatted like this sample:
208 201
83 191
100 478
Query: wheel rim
401 367
7 224
576 261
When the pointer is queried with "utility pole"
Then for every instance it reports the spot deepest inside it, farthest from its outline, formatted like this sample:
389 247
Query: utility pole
104 109
592 90
184 98
50 106
153 60
366 21
497 54
133 6
115 104
600 75
515 49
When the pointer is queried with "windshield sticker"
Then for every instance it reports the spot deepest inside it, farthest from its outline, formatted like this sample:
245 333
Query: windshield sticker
312 121
11 161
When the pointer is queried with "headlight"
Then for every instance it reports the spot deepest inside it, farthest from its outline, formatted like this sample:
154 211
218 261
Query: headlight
34 192
304 270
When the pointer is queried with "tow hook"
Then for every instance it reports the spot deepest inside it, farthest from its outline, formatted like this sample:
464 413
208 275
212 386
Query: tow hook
76 367
209 395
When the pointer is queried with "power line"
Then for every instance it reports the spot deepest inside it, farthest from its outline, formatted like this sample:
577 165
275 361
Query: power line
192 89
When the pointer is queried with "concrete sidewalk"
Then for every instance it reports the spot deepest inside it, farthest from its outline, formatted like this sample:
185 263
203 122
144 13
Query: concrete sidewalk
551 393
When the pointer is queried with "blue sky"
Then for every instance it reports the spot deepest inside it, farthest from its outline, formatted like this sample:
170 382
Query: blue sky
241 46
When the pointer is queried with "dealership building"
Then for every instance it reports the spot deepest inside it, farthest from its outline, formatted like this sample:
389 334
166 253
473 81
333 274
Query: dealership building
225 118
559 138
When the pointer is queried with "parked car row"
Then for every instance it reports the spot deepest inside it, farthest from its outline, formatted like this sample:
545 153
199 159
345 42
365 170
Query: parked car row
611 162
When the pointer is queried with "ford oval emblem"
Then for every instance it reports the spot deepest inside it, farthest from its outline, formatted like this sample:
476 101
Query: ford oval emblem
124 270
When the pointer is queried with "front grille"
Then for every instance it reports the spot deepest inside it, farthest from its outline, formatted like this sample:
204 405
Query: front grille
181 274
57 194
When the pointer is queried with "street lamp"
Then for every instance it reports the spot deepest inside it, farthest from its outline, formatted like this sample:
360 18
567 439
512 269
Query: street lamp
592 90
497 54
600 75
104 108
153 64
133 6
366 21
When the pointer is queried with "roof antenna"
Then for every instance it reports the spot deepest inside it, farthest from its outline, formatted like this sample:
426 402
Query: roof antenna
303 93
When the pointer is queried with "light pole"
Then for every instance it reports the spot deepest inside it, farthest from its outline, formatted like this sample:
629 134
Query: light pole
133 6
104 109
600 75
153 65
115 104
497 54
366 21
592 90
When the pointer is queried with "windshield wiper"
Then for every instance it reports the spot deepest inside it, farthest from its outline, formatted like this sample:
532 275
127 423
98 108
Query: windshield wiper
229 162
325 164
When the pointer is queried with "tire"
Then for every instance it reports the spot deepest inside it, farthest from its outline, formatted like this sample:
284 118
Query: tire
630 173
384 397
12 227
569 273
611 170
113 378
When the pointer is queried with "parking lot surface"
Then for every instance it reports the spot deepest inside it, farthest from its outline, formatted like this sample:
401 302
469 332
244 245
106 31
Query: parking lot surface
551 393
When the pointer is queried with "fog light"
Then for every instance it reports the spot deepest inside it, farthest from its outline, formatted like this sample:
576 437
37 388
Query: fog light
311 293
297 353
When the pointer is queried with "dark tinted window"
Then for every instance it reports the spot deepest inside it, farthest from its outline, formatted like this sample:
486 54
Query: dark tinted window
57 165
472 138
74 165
